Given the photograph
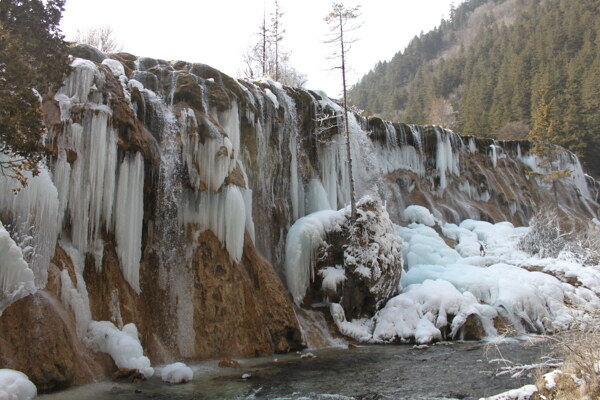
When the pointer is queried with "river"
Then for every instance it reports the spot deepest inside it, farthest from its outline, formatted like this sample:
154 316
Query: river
457 370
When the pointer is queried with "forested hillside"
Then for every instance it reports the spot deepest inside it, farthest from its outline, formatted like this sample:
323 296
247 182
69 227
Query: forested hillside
485 71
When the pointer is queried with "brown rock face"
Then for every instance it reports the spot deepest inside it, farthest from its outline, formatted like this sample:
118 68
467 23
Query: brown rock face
37 338
241 309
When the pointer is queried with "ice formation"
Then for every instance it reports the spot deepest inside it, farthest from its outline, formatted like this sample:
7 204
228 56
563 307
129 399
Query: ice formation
15 385
421 311
122 345
16 279
176 373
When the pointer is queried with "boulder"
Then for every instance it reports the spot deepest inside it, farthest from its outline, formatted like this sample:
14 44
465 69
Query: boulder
87 52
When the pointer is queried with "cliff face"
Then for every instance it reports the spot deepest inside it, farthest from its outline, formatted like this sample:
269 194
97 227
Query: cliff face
170 191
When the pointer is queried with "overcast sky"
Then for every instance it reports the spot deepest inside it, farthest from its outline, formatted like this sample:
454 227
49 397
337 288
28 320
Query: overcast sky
218 32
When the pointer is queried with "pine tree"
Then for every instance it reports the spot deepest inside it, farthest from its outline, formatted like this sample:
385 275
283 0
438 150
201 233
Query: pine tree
543 135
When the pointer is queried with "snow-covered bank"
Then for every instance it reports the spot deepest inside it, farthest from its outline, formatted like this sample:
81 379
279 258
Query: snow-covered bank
481 283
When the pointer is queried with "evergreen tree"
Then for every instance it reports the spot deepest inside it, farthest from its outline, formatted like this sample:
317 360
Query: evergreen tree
33 63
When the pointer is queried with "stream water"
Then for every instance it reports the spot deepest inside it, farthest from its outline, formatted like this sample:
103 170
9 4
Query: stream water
444 371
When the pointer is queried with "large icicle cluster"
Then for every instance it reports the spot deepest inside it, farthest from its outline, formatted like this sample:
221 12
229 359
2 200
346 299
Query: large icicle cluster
222 207
96 191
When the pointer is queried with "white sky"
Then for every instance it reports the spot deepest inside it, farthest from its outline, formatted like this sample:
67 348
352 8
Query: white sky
218 32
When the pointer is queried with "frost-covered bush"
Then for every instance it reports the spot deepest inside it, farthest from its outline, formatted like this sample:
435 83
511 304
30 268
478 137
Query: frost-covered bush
585 245
545 238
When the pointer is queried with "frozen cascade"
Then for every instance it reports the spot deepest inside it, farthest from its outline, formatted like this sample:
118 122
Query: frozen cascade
316 197
168 233
31 216
393 155
86 186
16 279
447 158
75 295
209 160
129 214
291 132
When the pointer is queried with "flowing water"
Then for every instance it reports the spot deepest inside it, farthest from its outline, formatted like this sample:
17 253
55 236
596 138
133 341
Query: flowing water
444 371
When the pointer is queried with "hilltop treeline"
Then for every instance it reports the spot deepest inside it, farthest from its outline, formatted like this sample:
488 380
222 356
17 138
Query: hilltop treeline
486 69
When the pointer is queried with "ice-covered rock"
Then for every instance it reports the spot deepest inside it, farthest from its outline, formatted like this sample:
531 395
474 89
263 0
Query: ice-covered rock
354 263
15 385
176 373
418 214
122 345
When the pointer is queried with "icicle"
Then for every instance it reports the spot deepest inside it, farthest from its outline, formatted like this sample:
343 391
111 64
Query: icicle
129 214
86 185
223 213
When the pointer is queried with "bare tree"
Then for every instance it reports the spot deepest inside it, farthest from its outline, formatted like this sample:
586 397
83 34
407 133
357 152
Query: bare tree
276 35
102 37
264 37
267 58
338 20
